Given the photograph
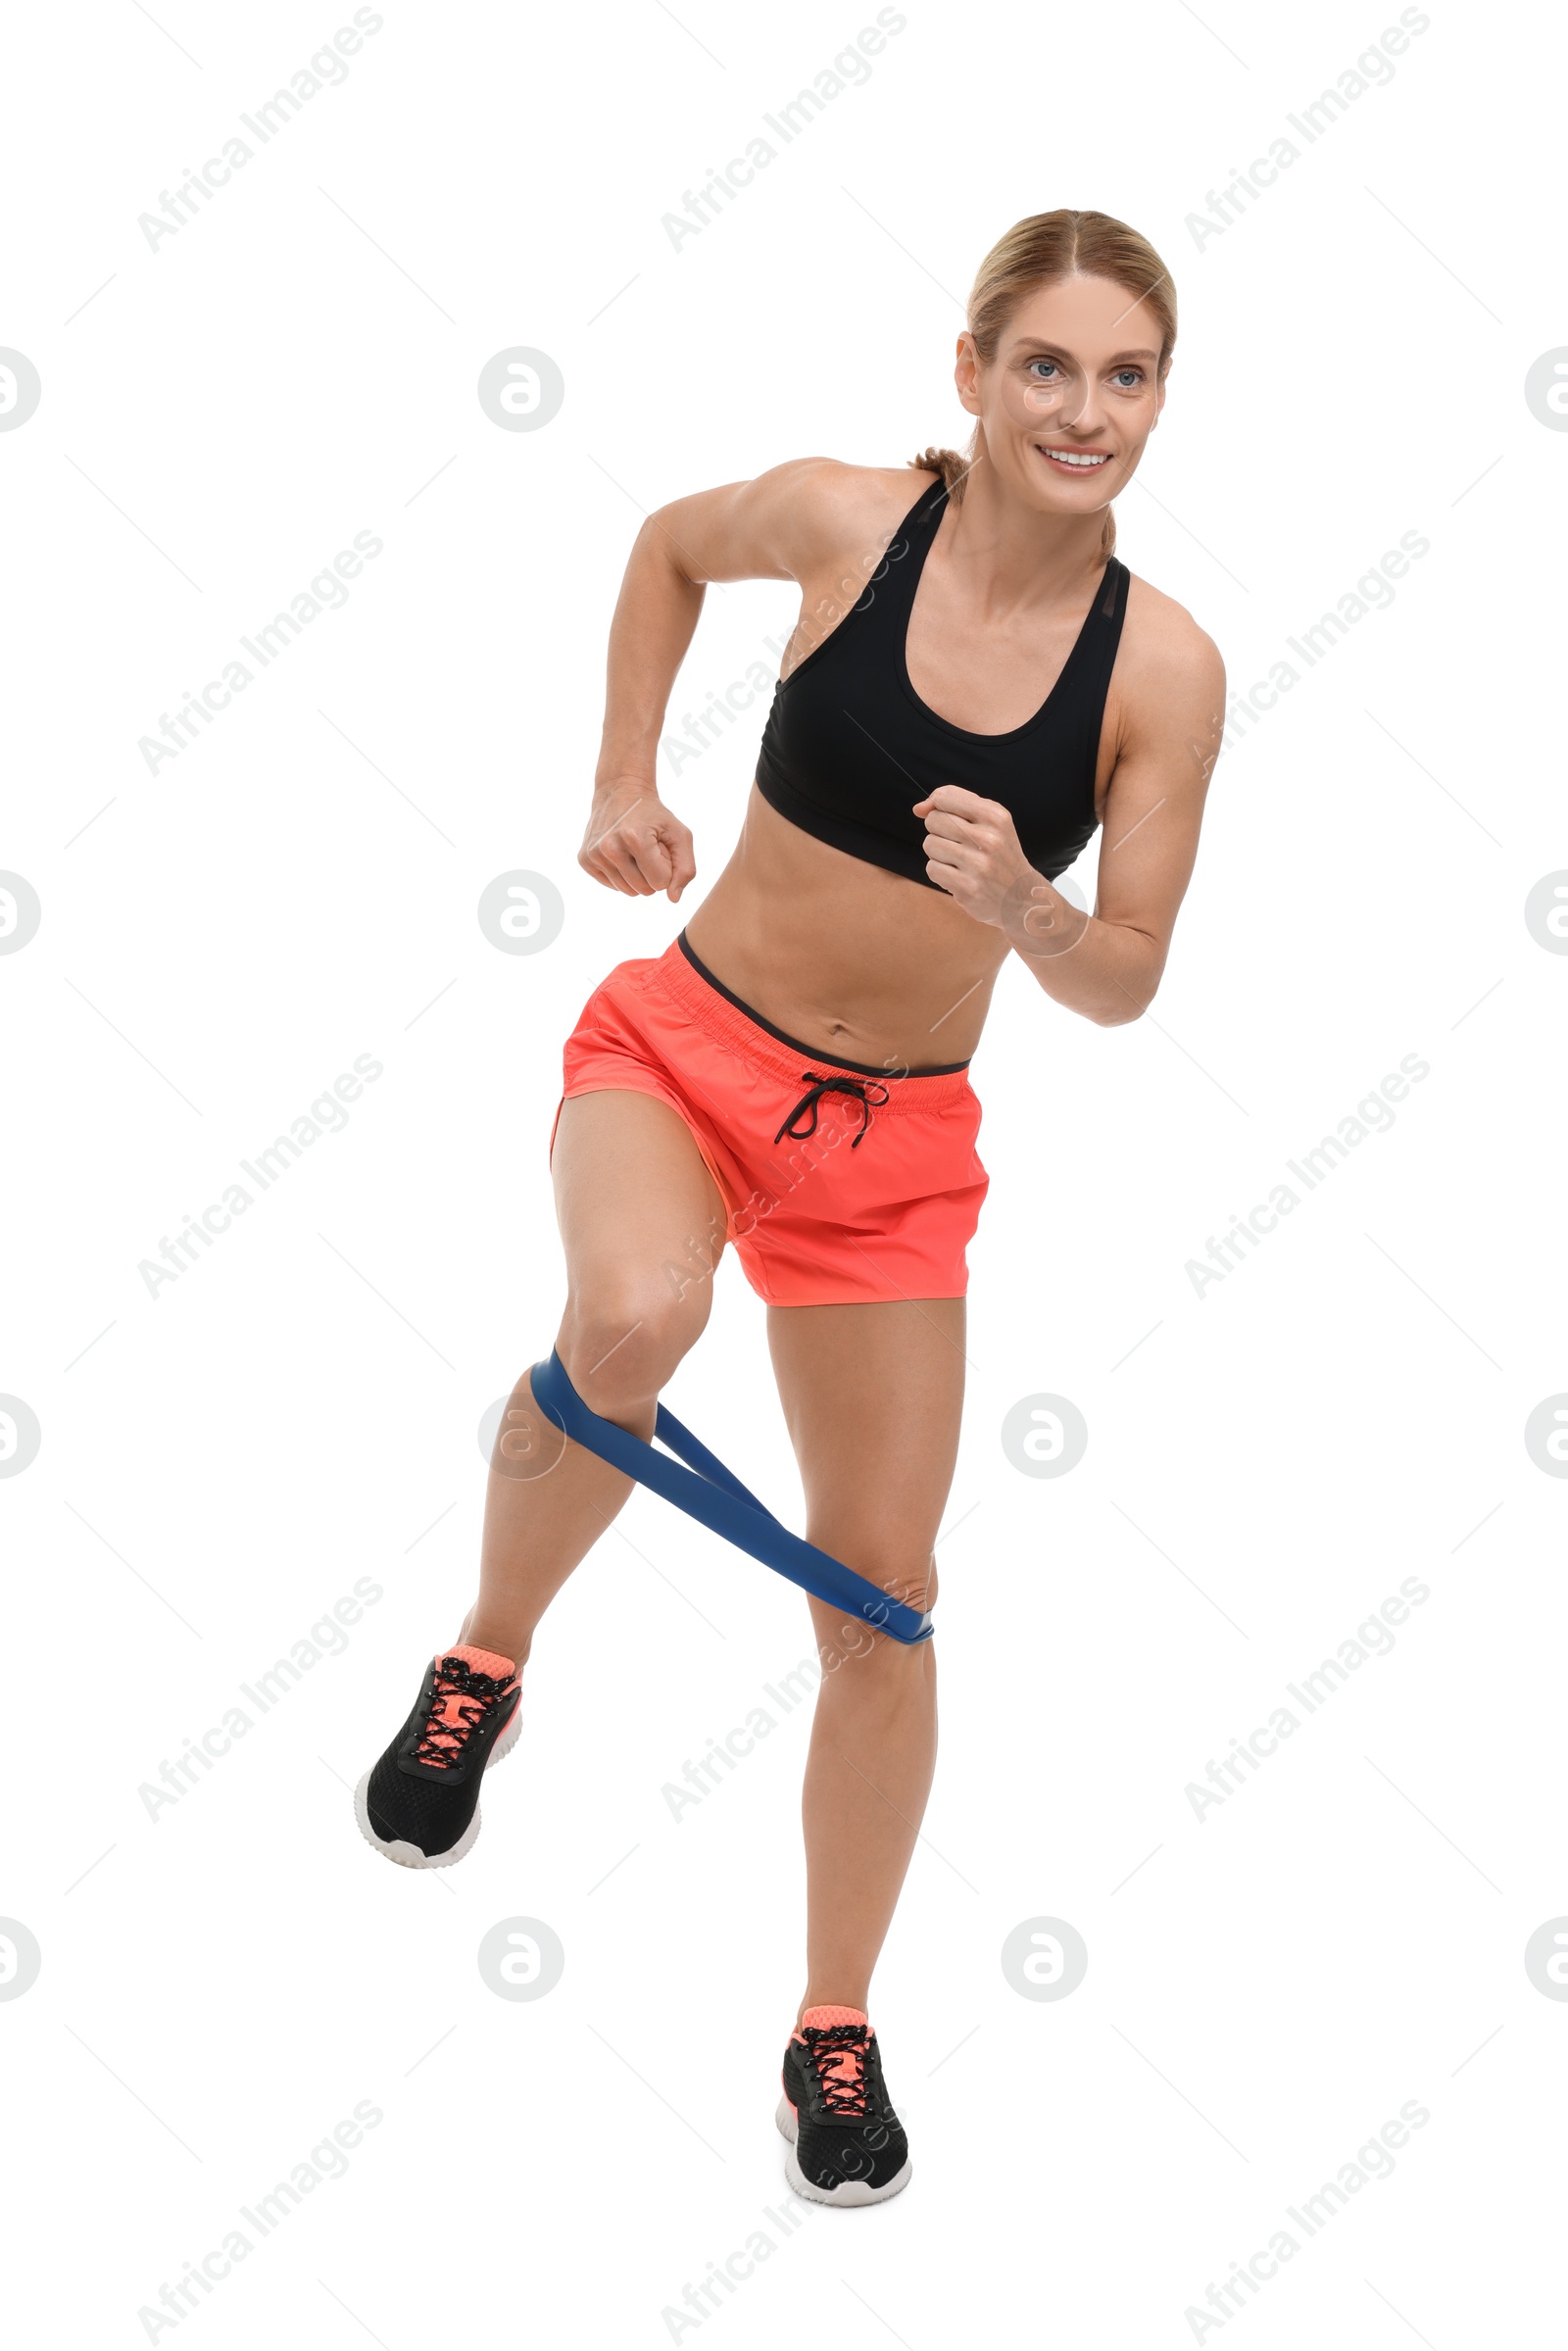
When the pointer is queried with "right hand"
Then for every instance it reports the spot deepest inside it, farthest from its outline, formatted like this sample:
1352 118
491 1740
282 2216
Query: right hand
635 845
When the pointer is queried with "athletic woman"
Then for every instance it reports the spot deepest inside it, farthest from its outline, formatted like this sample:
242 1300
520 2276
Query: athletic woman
974 685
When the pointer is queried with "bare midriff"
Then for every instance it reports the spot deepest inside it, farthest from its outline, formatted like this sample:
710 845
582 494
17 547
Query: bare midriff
858 962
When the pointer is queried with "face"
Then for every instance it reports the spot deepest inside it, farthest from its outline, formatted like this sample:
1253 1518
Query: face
1072 395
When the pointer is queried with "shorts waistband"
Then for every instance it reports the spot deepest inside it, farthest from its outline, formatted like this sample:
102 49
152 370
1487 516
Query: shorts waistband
682 975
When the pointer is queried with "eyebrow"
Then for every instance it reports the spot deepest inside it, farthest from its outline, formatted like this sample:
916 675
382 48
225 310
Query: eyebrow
1038 343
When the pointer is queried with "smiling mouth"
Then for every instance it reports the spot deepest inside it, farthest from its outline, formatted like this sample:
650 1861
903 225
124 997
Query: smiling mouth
1075 460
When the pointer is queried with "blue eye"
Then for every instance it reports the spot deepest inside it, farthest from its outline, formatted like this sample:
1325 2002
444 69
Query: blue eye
1033 364
1135 374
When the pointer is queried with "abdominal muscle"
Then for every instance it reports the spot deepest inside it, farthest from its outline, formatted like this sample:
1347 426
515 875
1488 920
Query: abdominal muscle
859 963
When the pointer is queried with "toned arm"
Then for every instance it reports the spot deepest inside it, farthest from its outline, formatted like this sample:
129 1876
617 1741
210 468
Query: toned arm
791 522
1153 808
1106 966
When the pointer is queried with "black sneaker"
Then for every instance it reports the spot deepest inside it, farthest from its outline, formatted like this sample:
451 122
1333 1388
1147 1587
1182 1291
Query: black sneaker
420 1805
847 2145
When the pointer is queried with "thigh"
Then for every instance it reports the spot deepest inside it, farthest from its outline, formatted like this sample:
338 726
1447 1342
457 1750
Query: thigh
873 1397
637 1207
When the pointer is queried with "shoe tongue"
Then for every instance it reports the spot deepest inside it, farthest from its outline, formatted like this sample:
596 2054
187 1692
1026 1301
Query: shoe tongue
482 1661
843 2071
451 1715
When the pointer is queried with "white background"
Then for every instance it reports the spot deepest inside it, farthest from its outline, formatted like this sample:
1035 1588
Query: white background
221 1983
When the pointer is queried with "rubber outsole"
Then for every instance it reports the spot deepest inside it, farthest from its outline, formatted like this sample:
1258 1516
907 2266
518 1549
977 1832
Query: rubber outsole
849 2193
398 1848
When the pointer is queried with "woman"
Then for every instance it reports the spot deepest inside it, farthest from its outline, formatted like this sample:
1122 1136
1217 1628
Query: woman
974 685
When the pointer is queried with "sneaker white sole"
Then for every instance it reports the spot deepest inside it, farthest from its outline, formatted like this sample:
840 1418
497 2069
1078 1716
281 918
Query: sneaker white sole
409 1857
850 2191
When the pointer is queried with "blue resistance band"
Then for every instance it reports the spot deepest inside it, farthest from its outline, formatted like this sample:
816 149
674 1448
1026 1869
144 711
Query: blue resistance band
710 1493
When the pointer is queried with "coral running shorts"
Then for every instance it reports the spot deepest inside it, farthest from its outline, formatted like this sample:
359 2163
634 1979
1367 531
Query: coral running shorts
842 1184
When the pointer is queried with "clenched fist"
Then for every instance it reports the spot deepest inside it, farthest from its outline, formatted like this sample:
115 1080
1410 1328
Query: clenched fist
635 845
972 852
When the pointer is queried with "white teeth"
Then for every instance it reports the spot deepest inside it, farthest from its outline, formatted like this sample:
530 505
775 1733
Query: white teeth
1063 457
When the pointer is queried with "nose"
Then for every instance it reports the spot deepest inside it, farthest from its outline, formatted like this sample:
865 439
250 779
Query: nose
1083 409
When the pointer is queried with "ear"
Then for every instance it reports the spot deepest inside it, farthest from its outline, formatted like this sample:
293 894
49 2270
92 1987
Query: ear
967 374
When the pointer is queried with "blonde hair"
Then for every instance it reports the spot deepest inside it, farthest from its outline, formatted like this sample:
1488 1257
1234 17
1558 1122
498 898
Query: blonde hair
1040 252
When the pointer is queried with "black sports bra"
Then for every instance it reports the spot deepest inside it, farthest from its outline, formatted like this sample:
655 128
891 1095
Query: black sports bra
850 747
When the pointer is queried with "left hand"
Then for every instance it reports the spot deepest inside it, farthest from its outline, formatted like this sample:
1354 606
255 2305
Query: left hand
972 852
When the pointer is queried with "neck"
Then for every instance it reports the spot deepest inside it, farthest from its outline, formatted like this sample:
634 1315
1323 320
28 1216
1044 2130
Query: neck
1011 554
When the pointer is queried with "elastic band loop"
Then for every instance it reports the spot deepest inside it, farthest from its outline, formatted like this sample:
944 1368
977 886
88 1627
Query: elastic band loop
716 1497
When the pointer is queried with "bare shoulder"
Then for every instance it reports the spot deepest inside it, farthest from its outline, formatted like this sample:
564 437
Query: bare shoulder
796 521
843 508
1164 654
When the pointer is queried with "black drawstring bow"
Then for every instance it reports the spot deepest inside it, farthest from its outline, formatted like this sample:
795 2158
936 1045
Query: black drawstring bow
856 1088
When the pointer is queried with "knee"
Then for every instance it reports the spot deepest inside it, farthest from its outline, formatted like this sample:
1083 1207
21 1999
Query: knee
871 1681
906 1569
620 1345
863 1667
